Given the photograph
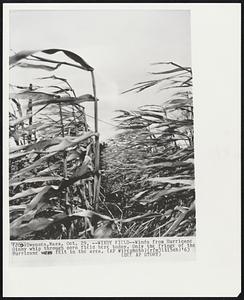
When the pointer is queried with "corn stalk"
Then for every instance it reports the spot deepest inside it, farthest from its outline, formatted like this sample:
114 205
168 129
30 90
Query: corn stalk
97 177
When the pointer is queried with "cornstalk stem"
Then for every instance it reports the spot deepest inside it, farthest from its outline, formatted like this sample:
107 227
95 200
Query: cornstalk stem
64 160
95 103
29 111
97 150
73 110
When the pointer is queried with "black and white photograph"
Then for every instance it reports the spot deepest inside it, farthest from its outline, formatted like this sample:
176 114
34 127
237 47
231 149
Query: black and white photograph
121 149
101 125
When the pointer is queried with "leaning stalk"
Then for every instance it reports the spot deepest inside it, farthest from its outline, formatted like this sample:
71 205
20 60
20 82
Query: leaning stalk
97 150
65 173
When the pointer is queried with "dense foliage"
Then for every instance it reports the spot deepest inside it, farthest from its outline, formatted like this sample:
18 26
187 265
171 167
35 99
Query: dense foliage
149 166
52 174
55 186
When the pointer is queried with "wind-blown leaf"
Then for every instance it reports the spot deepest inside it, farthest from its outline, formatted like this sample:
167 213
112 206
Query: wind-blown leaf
43 67
70 142
38 146
182 101
169 164
25 53
33 165
27 88
53 77
41 197
90 214
65 100
34 95
169 71
139 195
21 55
43 144
18 155
19 229
181 217
61 90
188 69
23 219
71 55
26 193
166 193
37 179
171 180
15 208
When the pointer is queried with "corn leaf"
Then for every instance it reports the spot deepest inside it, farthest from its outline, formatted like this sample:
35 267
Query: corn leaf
38 66
166 193
25 53
171 180
42 196
65 100
69 142
36 179
19 229
26 193
33 165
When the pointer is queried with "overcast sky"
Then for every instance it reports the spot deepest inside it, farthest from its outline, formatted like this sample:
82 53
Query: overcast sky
119 44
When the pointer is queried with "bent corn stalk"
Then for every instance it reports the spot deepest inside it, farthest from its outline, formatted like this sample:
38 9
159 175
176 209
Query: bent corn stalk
97 146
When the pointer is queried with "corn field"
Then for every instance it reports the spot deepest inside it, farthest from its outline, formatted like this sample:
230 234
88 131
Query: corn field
65 184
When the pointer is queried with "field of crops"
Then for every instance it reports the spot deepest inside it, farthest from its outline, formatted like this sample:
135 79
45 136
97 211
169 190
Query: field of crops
66 184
